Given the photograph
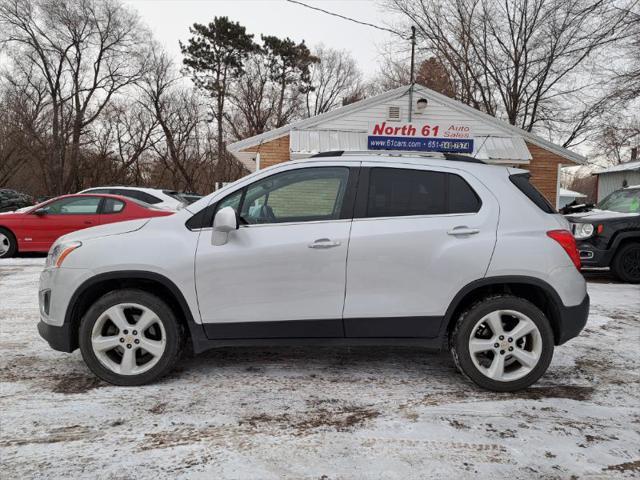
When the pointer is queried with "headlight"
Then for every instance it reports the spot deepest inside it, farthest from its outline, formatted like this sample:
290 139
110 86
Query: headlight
59 252
582 230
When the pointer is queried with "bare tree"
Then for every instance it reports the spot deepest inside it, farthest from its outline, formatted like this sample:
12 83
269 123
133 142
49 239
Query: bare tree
11 146
430 73
125 134
86 51
627 73
23 125
516 58
187 149
255 100
615 138
334 77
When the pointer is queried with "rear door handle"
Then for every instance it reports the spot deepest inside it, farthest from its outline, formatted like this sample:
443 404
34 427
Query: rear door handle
463 231
324 243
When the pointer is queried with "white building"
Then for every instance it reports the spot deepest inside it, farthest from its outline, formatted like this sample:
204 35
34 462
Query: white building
433 122
615 178
567 196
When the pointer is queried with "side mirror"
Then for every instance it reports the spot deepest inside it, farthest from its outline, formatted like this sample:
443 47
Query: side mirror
40 212
224 222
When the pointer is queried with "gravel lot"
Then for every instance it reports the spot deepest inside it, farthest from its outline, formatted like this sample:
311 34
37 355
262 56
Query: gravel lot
319 412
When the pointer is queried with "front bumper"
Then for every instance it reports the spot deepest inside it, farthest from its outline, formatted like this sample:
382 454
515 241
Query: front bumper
572 320
58 338
55 291
593 257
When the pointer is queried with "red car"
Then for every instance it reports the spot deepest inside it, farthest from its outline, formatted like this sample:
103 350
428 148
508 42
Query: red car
36 228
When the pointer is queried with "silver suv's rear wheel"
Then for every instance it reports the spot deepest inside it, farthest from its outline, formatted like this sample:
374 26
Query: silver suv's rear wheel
502 343
130 337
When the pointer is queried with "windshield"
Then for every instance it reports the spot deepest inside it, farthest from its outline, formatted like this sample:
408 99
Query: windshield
623 201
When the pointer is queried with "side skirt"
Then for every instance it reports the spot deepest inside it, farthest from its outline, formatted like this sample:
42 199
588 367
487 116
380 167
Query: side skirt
268 330
401 331
429 344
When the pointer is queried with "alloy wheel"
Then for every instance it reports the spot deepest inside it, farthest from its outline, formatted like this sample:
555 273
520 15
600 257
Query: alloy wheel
128 339
4 244
630 263
505 345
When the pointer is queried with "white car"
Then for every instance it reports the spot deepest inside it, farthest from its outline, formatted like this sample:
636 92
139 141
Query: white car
164 199
438 251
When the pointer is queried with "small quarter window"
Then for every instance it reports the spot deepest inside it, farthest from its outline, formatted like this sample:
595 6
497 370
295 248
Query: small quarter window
461 197
204 218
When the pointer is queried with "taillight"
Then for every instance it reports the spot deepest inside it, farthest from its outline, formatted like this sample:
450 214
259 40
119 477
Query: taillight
568 242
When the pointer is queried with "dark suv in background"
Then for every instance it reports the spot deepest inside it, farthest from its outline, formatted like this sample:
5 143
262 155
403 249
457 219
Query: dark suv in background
608 233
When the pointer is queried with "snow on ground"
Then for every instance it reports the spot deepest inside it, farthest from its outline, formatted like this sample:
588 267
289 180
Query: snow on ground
319 412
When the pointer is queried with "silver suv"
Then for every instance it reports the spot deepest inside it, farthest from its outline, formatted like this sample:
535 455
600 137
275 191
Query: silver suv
361 249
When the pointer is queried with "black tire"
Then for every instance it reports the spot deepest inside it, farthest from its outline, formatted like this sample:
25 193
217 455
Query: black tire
626 263
459 341
173 329
13 244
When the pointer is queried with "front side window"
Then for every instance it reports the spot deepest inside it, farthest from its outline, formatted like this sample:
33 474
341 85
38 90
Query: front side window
295 196
397 192
309 194
73 206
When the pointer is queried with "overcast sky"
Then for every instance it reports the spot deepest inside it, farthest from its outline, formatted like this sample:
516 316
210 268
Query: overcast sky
170 21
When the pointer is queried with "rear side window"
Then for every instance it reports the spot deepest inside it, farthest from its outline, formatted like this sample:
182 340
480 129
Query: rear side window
111 205
398 192
98 190
142 196
521 180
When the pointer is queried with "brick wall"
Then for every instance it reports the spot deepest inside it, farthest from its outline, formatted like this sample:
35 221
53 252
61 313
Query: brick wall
544 170
272 152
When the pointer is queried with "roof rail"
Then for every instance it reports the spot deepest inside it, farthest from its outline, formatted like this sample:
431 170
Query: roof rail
400 153
330 153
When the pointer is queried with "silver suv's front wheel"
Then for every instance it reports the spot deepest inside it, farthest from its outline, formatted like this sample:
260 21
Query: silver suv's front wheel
130 337
502 343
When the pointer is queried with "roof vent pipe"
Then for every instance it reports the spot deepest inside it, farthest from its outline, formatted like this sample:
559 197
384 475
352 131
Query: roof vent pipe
413 54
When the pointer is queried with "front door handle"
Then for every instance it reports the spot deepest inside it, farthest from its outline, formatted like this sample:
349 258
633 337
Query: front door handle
324 243
463 230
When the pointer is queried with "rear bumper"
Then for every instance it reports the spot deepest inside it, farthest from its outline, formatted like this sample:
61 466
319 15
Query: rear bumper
572 321
58 338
